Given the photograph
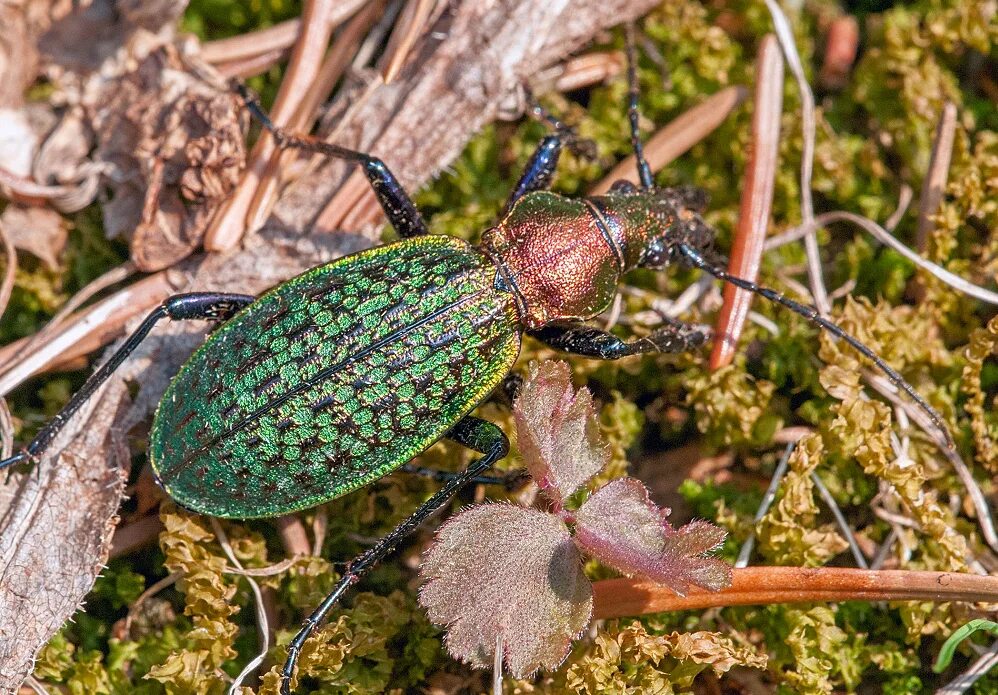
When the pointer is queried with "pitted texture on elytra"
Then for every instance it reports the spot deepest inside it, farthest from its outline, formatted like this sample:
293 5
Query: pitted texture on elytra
334 379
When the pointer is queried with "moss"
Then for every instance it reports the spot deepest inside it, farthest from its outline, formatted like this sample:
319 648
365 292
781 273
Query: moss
873 138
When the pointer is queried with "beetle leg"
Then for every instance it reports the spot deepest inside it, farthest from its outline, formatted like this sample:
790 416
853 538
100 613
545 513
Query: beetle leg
589 341
395 202
472 432
633 93
510 480
539 170
208 306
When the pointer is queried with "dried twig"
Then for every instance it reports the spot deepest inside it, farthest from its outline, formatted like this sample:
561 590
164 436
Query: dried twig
756 200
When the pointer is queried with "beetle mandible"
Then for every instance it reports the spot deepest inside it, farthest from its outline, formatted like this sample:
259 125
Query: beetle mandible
343 374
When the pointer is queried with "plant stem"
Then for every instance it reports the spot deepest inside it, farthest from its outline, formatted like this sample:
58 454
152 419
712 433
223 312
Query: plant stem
616 598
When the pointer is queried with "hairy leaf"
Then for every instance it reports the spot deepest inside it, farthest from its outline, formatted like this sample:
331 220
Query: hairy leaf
557 432
520 579
623 528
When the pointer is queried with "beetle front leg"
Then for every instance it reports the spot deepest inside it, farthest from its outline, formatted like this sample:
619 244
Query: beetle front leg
589 341
472 432
539 170
207 306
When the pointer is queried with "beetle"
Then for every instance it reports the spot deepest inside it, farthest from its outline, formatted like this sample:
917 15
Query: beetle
341 375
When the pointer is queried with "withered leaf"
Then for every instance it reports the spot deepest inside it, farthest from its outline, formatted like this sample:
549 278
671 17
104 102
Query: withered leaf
521 579
557 432
623 528
39 231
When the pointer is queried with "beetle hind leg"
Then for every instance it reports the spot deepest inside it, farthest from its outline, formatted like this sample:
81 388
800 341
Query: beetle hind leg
207 306
395 202
474 433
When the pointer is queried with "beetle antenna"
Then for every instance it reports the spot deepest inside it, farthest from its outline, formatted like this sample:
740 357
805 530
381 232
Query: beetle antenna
644 171
810 313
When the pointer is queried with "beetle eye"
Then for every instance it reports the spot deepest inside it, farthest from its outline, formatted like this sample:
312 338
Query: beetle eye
654 255
623 186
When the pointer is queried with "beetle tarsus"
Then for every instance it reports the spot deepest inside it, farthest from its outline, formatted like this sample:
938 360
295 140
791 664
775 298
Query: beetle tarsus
472 432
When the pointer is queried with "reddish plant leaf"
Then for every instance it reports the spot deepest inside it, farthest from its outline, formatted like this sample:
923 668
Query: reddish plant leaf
556 431
520 578
620 526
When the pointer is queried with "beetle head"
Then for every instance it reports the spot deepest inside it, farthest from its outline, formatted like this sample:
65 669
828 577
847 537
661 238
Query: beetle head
654 222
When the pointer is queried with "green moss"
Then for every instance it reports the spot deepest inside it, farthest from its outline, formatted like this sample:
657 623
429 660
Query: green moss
873 138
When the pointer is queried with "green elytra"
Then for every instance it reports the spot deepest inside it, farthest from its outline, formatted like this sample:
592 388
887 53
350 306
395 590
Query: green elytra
334 379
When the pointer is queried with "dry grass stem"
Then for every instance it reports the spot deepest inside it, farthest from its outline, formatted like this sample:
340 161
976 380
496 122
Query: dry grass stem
786 37
268 571
24 190
278 37
333 66
263 627
250 67
887 239
580 72
984 517
94 327
293 536
233 220
167 581
111 277
745 552
934 185
840 520
9 271
981 667
411 25
134 535
841 47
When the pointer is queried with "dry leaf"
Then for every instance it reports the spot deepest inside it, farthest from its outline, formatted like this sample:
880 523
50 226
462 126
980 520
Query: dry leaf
39 231
171 139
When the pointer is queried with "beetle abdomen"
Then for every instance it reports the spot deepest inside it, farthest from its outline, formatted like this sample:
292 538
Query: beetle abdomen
334 379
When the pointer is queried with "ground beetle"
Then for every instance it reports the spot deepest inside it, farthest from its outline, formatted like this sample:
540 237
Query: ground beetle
343 374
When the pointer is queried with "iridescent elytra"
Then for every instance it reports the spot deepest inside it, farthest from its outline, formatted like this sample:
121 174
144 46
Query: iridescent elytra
343 374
